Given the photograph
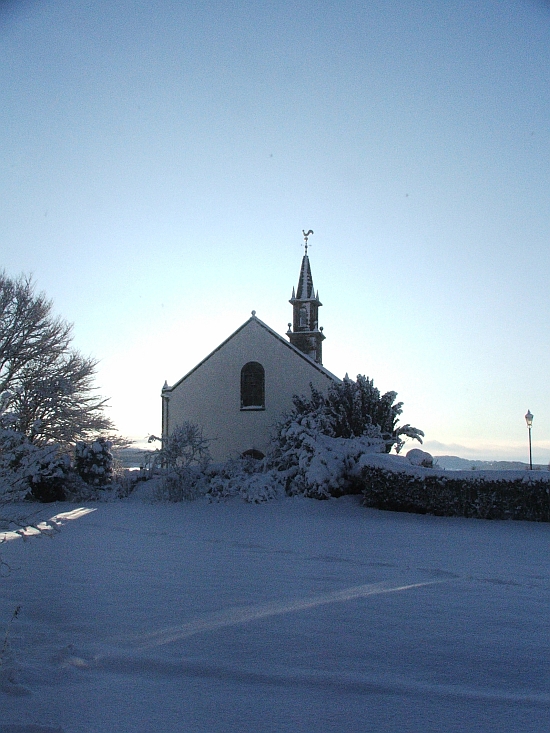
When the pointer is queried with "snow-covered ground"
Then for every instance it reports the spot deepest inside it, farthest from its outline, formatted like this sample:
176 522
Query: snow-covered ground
295 615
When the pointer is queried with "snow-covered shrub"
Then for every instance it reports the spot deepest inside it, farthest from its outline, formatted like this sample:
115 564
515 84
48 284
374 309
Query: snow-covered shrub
93 462
14 463
182 485
419 457
350 409
182 462
51 476
27 470
318 446
318 465
246 478
125 481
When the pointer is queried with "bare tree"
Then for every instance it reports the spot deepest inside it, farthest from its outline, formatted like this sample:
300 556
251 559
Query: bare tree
182 460
28 331
46 386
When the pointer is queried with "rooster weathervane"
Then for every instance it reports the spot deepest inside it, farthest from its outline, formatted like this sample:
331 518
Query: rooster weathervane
306 237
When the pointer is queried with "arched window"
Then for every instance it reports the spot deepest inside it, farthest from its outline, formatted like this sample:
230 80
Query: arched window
252 386
253 453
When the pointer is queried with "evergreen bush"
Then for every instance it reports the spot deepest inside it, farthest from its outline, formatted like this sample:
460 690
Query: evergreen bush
51 476
352 409
28 471
93 462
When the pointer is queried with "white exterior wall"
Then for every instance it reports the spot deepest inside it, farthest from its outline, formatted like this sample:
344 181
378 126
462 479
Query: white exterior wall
210 394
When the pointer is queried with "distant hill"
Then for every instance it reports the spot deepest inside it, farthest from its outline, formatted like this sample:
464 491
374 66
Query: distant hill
454 463
130 457
134 458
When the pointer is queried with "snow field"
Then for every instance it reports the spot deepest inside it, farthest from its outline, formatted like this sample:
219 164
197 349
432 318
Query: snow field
294 615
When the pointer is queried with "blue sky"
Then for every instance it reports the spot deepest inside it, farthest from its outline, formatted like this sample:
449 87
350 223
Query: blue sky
158 161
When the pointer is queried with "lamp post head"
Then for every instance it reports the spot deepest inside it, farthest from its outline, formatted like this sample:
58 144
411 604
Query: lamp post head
529 418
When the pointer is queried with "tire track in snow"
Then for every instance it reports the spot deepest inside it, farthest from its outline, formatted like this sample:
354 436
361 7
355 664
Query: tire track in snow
245 614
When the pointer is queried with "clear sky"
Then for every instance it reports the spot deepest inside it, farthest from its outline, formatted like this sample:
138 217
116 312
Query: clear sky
159 160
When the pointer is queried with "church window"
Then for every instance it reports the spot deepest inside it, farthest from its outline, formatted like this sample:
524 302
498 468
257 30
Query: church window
252 386
254 453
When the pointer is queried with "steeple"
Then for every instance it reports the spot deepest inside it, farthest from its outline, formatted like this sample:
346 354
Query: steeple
304 332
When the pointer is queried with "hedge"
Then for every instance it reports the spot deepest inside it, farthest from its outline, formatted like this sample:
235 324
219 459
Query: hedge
514 497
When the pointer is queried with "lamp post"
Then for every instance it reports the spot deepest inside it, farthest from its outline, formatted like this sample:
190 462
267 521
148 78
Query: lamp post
529 421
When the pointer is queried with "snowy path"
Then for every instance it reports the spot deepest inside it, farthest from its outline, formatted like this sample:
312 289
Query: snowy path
291 616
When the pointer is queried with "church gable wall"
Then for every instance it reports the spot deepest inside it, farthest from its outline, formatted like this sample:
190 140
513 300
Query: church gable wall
210 395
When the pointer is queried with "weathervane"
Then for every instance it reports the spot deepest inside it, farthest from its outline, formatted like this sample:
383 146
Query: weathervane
306 237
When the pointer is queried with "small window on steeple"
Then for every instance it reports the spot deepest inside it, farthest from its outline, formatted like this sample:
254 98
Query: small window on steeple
252 386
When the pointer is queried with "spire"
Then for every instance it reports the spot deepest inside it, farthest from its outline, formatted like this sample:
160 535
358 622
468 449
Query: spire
305 284
305 333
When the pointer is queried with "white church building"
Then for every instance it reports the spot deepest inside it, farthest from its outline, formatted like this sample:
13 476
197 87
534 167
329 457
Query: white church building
239 392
